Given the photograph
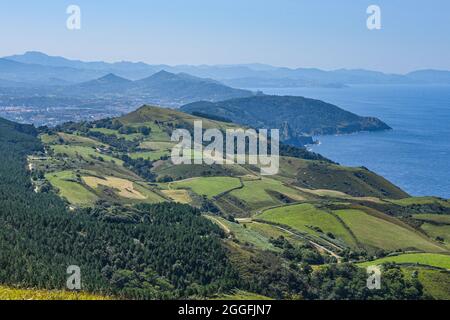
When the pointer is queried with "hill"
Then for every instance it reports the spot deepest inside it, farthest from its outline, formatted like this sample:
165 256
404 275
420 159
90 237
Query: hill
163 88
184 87
296 117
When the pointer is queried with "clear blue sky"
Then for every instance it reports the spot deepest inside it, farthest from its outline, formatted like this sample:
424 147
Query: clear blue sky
327 34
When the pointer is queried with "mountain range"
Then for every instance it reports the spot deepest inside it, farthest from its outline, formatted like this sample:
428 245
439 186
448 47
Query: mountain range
41 69
163 87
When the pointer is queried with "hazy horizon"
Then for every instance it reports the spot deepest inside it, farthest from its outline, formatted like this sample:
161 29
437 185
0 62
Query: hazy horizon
215 65
295 34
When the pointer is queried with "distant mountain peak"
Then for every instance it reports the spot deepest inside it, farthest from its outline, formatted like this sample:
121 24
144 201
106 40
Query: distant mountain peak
113 78
163 74
35 53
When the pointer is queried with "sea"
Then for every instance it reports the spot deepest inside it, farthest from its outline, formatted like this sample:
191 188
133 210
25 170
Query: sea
415 155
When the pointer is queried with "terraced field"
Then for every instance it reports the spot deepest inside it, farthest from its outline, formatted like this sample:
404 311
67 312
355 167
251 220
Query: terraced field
374 232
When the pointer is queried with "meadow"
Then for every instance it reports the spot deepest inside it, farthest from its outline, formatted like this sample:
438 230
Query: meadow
374 232
207 186
427 259
255 193
307 218
68 187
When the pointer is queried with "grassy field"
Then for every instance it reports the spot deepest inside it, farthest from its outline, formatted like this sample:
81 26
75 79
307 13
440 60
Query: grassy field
207 186
7 293
378 233
420 200
80 140
433 282
181 196
255 193
186 171
116 133
156 145
150 155
304 216
435 231
69 188
438 218
270 231
49 139
87 153
429 259
338 195
125 188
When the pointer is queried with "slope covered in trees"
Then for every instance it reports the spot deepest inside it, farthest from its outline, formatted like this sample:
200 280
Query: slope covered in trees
167 250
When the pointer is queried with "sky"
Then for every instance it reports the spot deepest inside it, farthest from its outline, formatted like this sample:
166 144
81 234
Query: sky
326 34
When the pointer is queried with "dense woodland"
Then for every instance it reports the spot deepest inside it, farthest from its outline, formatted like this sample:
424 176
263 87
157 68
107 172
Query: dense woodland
151 251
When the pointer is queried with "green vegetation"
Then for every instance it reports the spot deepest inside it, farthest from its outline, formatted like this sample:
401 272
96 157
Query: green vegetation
428 259
434 282
440 233
436 218
307 218
86 153
150 155
260 193
419 201
356 182
34 294
374 232
245 235
208 186
147 256
302 116
69 187
242 295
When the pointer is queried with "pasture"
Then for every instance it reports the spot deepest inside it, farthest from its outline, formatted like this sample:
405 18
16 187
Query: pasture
374 232
307 218
70 188
207 186
428 259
